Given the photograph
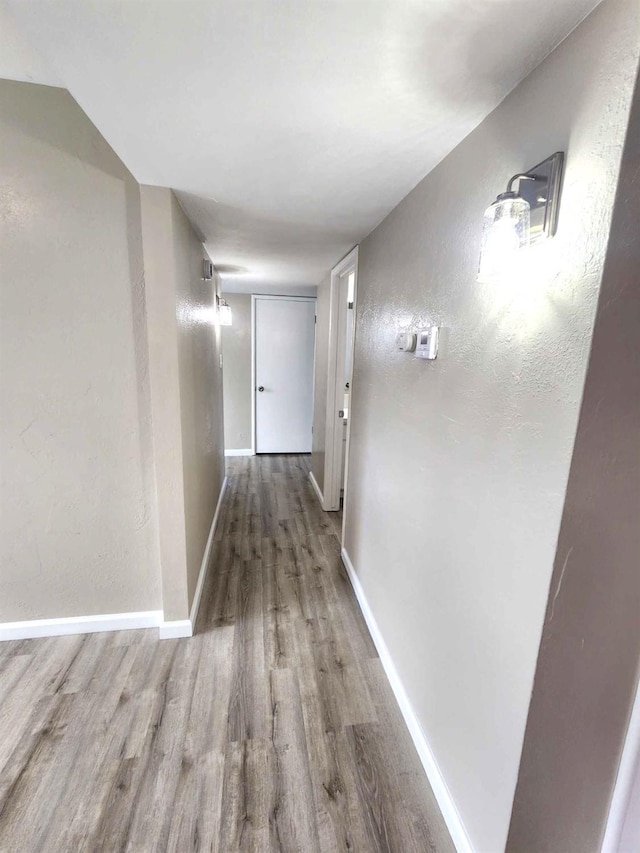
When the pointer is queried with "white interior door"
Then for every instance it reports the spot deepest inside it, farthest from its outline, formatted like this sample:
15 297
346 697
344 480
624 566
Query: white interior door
284 335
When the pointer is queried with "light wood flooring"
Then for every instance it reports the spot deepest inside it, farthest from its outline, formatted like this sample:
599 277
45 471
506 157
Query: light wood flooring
273 729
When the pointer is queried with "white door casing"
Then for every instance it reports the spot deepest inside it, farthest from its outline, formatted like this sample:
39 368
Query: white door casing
622 833
345 335
340 361
284 342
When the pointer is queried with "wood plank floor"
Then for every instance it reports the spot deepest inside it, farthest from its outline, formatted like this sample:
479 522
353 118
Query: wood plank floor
273 729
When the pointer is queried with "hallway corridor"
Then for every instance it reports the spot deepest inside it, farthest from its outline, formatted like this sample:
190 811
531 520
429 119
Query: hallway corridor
273 729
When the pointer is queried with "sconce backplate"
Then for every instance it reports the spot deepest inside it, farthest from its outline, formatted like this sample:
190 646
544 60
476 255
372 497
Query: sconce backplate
543 195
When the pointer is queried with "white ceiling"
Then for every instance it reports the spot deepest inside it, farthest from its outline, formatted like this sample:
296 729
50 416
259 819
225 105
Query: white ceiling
289 128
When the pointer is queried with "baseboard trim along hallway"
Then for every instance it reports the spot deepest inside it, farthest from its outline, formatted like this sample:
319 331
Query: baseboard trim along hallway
439 786
316 488
273 727
247 451
59 627
193 615
184 627
179 628
35 628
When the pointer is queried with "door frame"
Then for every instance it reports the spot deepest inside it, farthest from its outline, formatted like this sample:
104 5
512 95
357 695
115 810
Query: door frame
253 374
333 426
628 768
254 297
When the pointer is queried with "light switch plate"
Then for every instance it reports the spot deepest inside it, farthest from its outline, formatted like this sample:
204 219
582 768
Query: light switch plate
427 345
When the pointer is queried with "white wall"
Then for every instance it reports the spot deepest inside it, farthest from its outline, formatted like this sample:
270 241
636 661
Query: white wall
236 350
112 424
164 372
239 284
78 530
586 679
186 390
458 468
201 396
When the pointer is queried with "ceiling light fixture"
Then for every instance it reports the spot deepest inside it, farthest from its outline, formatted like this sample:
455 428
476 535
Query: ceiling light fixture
519 219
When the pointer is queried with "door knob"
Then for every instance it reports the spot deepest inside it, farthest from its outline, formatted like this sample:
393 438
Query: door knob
261 388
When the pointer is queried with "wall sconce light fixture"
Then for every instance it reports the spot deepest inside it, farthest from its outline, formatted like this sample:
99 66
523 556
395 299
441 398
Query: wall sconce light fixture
224 312
519 219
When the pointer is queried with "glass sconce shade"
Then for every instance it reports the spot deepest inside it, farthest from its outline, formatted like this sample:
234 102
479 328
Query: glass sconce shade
506 230
224 313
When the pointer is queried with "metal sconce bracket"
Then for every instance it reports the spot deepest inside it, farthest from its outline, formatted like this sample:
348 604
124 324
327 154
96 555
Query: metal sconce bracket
540 186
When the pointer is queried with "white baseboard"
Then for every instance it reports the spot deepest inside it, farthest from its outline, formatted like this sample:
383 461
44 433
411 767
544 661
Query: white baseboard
193 615
179 628
247 451
436 779
118 621
185 627
79 625
316 488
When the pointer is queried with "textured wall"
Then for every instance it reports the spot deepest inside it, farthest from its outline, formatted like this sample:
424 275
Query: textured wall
78 525
201 400
589 659
236 348
164 372
458 468
320 387
186 393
